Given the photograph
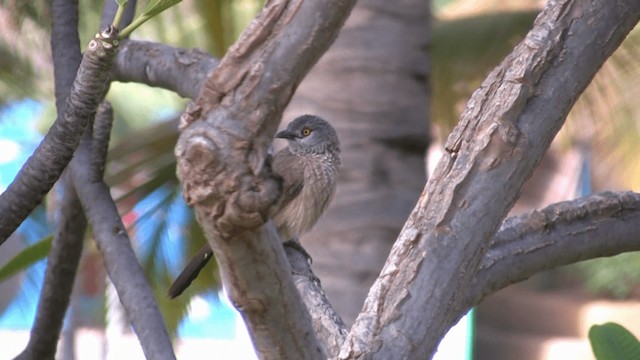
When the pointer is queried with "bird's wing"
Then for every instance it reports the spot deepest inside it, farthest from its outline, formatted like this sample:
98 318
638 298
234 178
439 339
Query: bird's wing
291 169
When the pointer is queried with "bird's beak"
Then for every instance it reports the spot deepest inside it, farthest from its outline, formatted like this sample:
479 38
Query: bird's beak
286 134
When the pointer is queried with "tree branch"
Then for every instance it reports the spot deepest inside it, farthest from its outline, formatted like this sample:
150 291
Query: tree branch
120 261
221 163
599 225
153 64
62 266
66 249
328 325
506 128
101 133
44 167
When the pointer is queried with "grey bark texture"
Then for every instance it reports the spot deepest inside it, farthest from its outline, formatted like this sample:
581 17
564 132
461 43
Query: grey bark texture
327 323
62 265
604 224
44 167
179 70
506 128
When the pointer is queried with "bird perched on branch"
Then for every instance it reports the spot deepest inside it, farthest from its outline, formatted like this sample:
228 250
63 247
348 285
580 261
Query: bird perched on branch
308 167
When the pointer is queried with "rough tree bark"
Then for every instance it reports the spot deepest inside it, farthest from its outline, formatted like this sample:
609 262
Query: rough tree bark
506 128
604 224
44 167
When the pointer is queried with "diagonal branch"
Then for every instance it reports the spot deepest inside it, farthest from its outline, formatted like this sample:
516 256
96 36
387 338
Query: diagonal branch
328 325
604 224
45 166
506 128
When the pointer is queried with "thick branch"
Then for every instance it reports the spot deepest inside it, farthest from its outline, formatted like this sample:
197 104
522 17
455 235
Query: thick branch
221 163
604 224
506 128
599 225
179 70
44 167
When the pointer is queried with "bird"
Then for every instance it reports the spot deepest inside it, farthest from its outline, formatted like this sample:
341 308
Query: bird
308 167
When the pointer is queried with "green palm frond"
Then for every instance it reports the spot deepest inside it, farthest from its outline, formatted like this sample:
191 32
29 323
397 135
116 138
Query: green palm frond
28 256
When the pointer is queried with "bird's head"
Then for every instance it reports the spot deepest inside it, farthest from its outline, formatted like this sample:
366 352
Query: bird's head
310 133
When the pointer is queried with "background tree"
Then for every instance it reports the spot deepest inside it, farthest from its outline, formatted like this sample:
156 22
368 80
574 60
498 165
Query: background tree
372 85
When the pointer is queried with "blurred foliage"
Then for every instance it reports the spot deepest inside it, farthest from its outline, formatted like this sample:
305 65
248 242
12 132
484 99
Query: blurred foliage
606 117
28 256
617 276
464 51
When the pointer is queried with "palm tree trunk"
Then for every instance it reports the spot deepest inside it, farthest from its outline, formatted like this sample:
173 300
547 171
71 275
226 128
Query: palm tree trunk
372 85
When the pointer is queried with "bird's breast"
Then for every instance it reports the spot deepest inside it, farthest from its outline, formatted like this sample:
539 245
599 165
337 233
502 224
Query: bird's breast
302 213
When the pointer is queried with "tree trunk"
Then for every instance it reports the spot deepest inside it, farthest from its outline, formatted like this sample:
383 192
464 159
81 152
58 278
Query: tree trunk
372 85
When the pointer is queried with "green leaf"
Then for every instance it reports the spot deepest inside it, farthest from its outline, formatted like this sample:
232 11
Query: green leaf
117 18
155 7
612 341
26 258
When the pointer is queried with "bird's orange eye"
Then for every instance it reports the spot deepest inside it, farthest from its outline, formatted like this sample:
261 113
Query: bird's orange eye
306 131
